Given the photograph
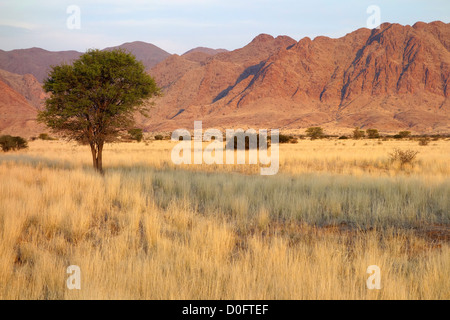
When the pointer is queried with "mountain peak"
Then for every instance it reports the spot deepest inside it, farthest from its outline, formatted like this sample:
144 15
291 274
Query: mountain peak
135 45
263 37
208 51
393 78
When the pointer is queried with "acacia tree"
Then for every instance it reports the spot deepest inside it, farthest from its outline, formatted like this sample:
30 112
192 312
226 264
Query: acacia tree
372 133
358 134
314 132
96 97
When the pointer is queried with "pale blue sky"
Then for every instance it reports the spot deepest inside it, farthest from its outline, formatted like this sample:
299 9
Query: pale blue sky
179 25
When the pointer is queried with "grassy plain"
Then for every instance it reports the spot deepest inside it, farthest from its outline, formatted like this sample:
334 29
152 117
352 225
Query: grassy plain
148 229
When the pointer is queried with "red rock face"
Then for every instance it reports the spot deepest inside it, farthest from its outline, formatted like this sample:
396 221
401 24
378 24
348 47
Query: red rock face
34 61
37 61
21 71
147 53
17 116
27 85
391 78
205 87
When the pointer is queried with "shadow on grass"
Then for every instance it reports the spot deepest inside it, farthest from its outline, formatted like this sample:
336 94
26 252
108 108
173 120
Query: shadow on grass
317 199
37 162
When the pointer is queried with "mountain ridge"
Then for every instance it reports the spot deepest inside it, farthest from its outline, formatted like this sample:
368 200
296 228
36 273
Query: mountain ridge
37 61
392 78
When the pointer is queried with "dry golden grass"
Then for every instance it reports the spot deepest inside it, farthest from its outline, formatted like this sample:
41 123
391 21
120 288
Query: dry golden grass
150 230
348 157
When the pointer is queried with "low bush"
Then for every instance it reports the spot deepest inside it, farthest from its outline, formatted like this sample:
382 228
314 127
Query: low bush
8 143
403 134
424 141
372 133
282 138
136 134
45 136
403 156
358 134
315 133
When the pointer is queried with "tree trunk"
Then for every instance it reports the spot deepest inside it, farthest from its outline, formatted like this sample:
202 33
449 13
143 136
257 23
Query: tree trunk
100 158
97 158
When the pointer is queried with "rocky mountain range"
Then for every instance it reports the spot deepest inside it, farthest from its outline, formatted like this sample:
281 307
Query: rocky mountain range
37 61
392 78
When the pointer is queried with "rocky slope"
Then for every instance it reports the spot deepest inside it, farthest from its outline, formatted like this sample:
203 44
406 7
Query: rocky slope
21 94
37 61
392 78
17 115
193 88
27 85
149 54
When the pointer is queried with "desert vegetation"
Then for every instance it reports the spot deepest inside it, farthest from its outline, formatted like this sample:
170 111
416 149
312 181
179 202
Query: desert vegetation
96 98
314 133
372 133
45 136
136 134
148 229
8 143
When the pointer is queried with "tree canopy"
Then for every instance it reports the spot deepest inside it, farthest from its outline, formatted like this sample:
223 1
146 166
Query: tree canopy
314 132
96 97
358 134
8 143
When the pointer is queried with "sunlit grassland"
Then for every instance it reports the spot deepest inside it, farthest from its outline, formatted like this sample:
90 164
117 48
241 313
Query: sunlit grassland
148 229
353 157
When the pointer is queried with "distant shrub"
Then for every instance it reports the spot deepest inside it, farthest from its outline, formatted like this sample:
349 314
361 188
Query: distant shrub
436 137
343 137
358 134
45 136
372 133
404 134
136 134
282 138
424 141
315 133
287 139
159 137
403 156
8 143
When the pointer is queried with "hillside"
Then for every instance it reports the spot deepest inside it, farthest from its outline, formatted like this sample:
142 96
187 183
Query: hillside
37 61
192 88
27 85
394 78
149 54
17 115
